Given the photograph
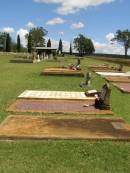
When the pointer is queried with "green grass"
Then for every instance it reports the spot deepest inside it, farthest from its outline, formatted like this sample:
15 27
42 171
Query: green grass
61 156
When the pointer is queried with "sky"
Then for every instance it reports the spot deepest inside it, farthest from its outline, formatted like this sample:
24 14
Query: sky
65 19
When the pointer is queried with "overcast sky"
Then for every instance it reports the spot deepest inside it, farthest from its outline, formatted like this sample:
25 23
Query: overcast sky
65 19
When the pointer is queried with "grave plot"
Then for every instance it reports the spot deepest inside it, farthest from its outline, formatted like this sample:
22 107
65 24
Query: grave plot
124 87
36 127
57 106
118 79
102 69
21 60
113 74
62 95
105 70
62 71
94 67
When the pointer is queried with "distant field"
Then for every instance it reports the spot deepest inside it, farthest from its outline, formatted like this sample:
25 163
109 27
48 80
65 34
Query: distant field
58 156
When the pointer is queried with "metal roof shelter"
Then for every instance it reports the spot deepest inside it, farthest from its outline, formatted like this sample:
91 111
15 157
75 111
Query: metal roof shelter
45 48
46 52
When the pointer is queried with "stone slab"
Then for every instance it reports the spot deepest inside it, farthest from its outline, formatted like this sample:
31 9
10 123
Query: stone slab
113 74
62 95
95 67
118 79
124 87
57 106
62 71
106 70
39 128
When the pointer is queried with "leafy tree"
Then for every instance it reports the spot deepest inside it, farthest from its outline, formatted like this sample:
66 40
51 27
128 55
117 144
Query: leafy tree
3 36
83 45
89 47
14 46
49 43
37 36
18 44
8 43
60 49
24 49
71 49
123 37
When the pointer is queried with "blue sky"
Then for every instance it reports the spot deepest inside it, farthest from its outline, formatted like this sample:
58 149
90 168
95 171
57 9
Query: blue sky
97 19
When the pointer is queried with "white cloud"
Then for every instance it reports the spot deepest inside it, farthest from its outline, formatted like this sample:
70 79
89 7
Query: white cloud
108 48
30 25
110 36
77 25
72 6
22 33
61 33
7 29
66 44
55 21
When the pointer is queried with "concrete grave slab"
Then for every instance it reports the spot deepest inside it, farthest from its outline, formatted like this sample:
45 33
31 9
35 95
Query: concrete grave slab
124 87
113 74
39 128
105 70
118 79
62 71
62 95
57 106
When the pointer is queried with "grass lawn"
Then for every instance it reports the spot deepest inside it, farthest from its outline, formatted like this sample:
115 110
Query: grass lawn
58 156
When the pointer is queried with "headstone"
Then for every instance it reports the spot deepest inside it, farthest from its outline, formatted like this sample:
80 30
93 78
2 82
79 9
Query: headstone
38 58
77 66
103 100
87 82
51 56
120 67
42 56
47 56
88 79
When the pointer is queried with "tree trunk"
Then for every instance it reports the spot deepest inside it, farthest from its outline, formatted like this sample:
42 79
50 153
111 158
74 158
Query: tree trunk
126 50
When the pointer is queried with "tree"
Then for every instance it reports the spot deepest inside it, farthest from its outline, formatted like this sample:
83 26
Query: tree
60 49
18 44
83 45
49 43
123 37
8 43
71 49
37 36
89 46
29 44
3 36
14 46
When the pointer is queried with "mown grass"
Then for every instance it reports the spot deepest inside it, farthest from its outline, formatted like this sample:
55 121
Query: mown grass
59 156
